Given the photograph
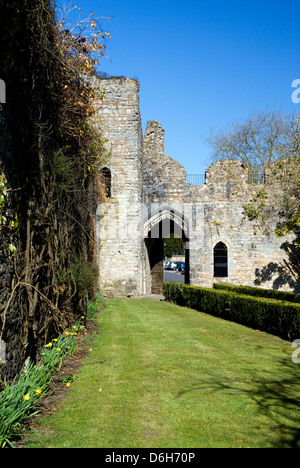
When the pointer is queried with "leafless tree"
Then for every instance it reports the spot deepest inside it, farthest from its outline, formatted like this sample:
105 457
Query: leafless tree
263 139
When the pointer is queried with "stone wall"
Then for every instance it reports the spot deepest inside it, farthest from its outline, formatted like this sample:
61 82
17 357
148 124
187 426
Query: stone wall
255 256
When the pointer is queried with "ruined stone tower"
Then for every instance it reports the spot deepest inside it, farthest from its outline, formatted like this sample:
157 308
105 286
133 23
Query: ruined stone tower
119 220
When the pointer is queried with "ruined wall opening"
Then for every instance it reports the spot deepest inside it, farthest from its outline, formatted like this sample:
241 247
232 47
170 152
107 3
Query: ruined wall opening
105 177
220 261
156 233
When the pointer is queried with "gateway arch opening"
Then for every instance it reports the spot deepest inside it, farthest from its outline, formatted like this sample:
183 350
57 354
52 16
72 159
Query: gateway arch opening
164 227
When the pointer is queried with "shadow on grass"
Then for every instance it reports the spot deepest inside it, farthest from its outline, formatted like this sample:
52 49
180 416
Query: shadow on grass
276 399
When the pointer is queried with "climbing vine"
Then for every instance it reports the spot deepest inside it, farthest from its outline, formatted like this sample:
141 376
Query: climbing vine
49 67
8 222
3 197
255 210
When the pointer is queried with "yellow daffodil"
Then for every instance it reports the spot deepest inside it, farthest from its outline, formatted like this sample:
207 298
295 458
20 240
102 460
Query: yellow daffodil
68 385
26 397
38 391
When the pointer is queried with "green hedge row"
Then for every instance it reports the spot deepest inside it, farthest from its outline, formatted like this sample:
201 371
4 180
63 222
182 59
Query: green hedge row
273 316
252 291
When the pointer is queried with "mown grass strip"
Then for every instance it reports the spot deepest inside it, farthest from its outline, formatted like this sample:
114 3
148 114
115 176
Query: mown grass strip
175 377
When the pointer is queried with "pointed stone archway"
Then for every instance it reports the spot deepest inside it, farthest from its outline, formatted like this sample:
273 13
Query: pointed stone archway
159 227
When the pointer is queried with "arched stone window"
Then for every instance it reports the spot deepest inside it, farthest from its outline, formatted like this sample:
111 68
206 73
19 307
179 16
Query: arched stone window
220 261
106 180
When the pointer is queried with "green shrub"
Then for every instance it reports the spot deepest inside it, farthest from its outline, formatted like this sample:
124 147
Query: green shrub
85 275
94 307
280 318
252 291
63 169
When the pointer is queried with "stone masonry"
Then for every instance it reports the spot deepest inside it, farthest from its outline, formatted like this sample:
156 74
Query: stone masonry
150 198
119 220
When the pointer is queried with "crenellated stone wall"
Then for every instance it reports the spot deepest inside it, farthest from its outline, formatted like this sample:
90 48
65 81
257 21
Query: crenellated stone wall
255 256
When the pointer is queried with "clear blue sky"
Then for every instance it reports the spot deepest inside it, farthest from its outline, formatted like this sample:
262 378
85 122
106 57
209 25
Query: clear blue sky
203 64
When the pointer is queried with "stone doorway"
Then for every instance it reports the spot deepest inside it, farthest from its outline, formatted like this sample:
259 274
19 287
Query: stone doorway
155 249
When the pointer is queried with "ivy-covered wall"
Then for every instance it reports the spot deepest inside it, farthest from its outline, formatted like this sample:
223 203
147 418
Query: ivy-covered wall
13 327
50 153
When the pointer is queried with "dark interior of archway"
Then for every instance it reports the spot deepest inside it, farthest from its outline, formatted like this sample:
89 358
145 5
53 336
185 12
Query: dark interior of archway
155 247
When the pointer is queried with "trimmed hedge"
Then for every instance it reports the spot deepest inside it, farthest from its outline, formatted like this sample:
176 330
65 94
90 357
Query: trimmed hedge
252 291
280 318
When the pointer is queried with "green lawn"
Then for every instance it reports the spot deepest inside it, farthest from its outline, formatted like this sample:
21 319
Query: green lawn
176 378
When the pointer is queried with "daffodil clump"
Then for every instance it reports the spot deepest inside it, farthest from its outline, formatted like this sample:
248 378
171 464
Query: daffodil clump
17 400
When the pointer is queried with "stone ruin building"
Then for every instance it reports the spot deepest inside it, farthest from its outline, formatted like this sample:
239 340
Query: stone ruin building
148 197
